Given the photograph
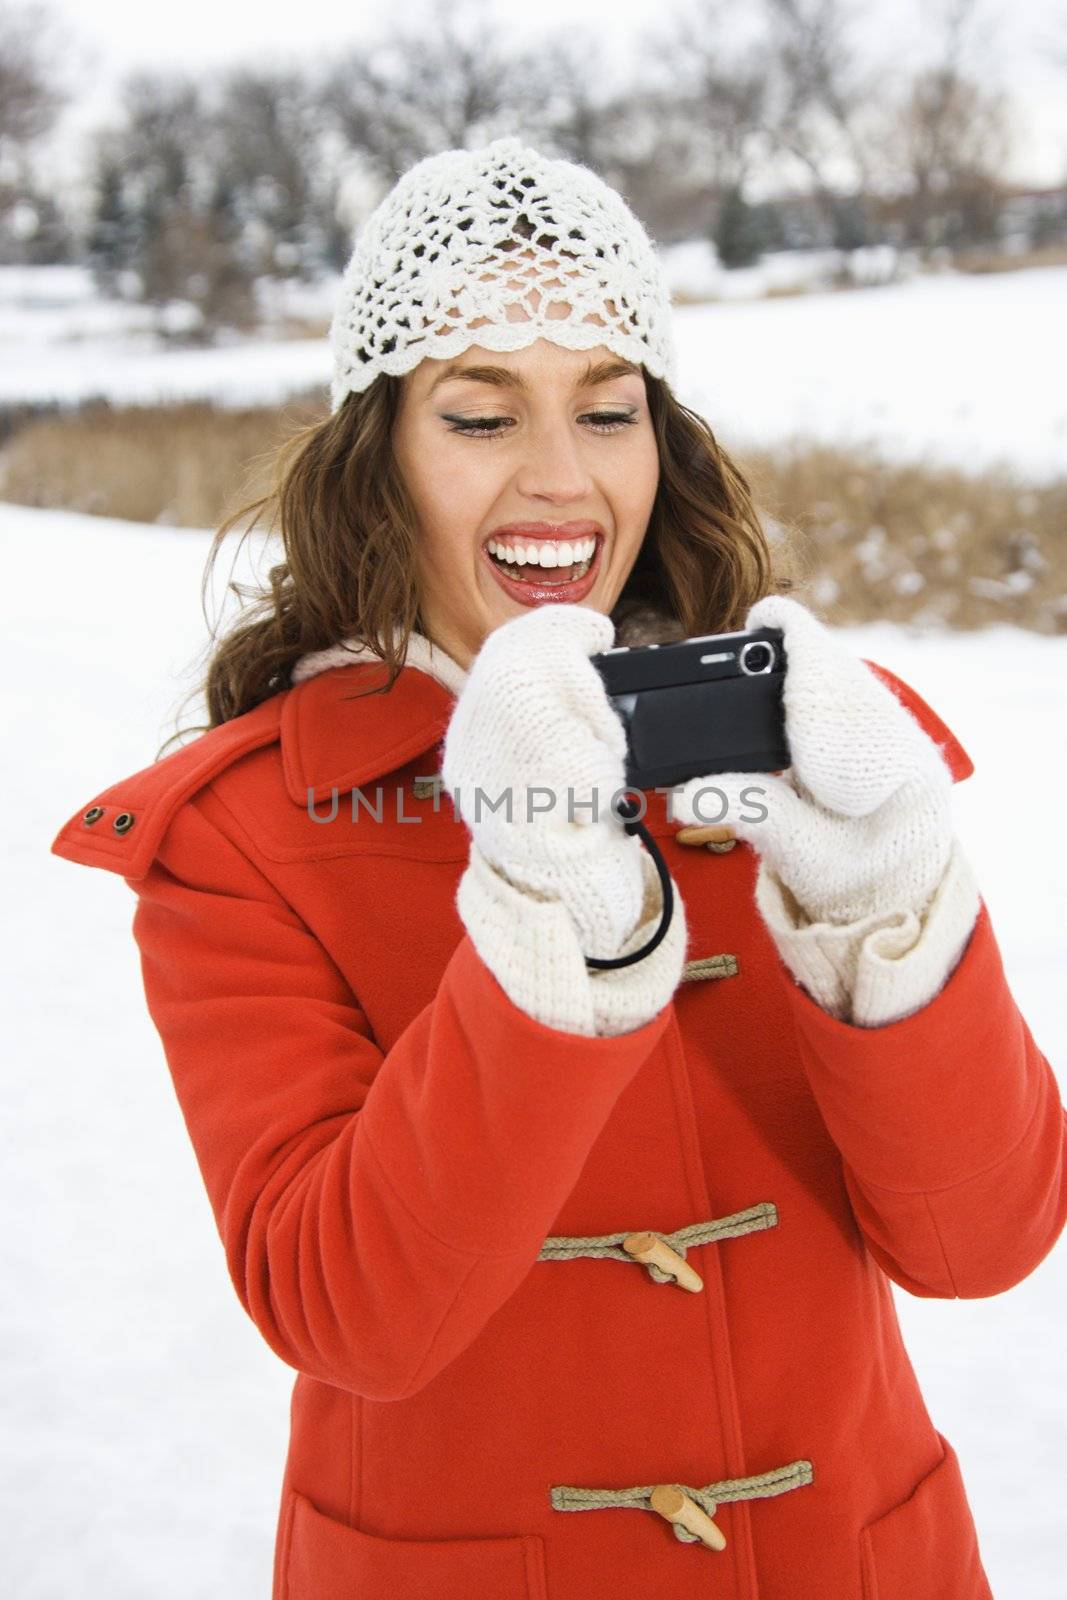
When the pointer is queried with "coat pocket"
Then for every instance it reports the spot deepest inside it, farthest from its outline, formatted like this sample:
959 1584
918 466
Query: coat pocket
926 1548
329 1560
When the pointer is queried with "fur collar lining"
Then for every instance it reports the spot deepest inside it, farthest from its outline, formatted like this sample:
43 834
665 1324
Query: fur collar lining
421 654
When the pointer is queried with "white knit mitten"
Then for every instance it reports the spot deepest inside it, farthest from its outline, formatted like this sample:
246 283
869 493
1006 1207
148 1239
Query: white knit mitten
857 839
534 732
533 756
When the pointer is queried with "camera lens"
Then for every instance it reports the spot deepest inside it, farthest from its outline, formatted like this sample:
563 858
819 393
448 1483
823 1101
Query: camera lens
756 657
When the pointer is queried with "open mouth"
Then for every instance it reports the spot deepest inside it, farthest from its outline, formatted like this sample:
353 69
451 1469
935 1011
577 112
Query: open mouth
545 563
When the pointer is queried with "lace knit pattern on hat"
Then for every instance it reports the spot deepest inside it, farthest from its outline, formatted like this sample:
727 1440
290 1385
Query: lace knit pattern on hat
498 247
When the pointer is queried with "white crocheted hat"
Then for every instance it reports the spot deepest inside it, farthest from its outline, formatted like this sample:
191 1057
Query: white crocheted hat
498 247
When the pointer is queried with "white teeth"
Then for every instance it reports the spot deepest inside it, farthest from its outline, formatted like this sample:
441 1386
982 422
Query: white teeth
547 553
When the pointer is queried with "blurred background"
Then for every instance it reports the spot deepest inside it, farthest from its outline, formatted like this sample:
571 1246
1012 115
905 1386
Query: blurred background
862 211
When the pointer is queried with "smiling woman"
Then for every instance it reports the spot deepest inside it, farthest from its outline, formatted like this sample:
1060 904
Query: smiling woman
558 1221
464 462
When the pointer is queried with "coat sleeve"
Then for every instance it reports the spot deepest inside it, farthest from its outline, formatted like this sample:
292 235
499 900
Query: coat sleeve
949 1121
375 1208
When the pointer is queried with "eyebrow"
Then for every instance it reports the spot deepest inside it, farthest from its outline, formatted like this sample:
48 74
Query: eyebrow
505 378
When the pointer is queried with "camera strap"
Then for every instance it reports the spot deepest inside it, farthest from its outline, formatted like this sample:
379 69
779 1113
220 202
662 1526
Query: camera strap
627 811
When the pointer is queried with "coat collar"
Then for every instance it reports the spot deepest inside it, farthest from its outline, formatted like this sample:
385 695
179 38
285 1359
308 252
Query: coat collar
337 735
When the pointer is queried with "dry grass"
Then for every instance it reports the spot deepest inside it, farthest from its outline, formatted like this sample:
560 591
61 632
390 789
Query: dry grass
928 546
299 327
1048 255
773 291
184 465
866 539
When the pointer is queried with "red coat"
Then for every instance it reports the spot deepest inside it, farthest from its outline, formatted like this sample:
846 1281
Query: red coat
423 1196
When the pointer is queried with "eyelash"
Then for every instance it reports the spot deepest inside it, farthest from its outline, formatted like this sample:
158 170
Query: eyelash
609 422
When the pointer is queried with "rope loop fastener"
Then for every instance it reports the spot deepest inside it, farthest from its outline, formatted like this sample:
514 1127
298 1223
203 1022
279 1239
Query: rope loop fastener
663 1255
688 1509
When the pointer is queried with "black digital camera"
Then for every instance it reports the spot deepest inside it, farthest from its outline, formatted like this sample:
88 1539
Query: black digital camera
704 705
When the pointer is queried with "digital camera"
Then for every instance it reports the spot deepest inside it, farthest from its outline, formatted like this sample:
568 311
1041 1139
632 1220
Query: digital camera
700 706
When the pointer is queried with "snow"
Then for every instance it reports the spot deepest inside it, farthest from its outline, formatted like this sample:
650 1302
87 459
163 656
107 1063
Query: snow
60 341
693 269
151 1417
141 1398
961 370
950 367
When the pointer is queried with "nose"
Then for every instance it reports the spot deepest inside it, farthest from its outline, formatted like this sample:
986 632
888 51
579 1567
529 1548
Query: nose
554 467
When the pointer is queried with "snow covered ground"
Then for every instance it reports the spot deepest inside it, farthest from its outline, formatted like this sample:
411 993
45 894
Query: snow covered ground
693 270
956 368
139 1397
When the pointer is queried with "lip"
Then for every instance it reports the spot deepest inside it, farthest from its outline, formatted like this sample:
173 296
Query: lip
533 594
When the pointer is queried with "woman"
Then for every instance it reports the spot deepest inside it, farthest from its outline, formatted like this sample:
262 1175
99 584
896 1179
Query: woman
538 1237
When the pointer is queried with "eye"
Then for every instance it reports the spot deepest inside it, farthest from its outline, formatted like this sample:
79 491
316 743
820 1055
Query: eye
489 427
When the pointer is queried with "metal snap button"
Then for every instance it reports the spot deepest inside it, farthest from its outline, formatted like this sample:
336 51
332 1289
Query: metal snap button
123 822
93 814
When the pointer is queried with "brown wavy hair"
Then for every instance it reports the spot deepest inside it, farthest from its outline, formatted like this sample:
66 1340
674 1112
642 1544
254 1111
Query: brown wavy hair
348 531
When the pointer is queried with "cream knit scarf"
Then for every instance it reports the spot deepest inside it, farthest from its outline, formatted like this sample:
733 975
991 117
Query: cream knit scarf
427 657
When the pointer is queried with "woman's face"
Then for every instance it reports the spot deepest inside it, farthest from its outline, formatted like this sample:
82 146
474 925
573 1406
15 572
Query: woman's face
533 473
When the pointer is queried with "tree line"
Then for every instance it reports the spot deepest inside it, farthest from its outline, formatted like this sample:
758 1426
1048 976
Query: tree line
759 124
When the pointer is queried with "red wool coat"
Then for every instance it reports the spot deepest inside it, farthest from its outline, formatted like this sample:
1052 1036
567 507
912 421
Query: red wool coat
423 1195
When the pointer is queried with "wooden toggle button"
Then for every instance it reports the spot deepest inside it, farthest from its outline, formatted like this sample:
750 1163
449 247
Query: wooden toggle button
646 1247
672 1503
705 833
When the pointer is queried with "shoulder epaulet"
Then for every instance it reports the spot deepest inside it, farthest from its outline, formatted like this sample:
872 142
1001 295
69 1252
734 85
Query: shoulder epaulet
959 762
121 827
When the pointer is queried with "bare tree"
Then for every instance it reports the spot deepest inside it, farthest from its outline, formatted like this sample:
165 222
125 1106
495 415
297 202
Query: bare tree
30 95
950 136
268 160
955 142
441 85
817 106
688 144
163 210
565 107
191 257
160 137
719 87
